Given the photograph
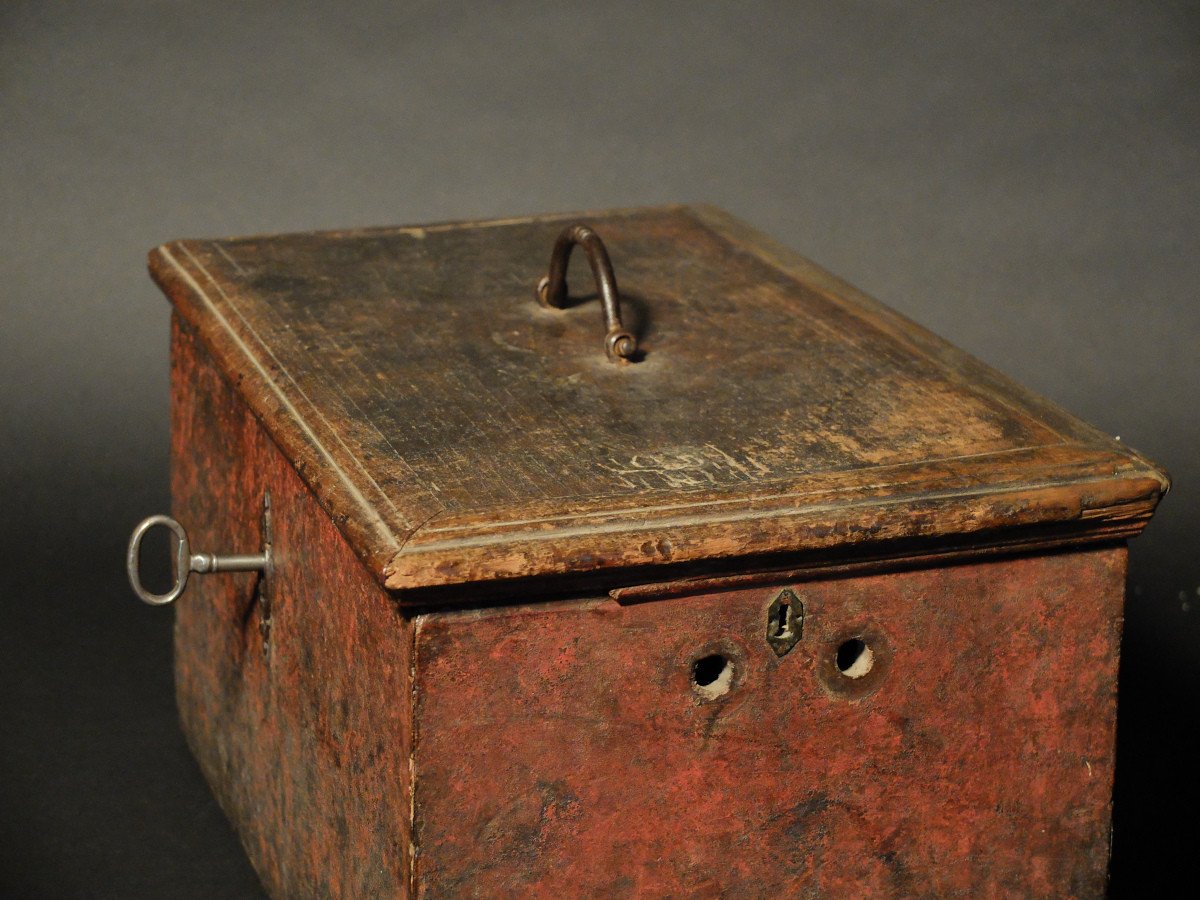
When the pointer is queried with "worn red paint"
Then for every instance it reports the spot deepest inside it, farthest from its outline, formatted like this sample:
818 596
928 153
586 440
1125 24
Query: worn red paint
435 711
305 740
563 750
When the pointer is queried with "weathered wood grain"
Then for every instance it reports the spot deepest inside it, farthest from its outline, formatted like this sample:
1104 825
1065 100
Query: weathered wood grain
564 751
561 748
366 748
459 434
305 741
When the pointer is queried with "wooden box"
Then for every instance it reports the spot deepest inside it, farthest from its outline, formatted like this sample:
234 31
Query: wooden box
728 581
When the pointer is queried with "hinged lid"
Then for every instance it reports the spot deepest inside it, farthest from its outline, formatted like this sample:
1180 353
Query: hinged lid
459 431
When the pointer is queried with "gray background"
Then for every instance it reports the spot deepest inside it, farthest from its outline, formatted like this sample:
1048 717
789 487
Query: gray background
1022 178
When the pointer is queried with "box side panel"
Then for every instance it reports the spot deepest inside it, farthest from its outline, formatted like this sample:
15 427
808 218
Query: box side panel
294 691
568 750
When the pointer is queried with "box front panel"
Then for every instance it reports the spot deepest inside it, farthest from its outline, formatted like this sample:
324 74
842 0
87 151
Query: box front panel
942 730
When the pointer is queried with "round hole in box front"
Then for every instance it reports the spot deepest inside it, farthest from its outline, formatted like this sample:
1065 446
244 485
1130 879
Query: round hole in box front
855 658
855 662
712 676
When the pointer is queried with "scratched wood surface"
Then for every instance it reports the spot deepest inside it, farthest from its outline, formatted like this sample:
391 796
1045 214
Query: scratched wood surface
564 750
362 748
458 432
304 736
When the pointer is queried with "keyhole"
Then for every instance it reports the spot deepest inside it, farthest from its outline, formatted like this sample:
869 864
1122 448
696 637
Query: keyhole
783 624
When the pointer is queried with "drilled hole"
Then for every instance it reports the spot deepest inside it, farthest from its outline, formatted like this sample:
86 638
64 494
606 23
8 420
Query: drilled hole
854 658
712 676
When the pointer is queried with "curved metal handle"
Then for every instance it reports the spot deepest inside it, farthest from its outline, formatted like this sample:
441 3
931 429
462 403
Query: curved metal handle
619 344
187 562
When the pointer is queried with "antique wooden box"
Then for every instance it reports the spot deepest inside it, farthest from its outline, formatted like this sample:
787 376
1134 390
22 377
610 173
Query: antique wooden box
727 580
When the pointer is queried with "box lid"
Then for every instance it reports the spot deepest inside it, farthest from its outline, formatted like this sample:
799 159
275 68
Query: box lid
458 431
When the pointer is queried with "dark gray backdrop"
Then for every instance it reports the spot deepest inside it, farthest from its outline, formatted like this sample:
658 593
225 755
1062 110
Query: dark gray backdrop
1022 178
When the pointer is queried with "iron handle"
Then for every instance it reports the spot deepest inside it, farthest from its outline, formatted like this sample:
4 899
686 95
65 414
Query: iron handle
619 344
187 562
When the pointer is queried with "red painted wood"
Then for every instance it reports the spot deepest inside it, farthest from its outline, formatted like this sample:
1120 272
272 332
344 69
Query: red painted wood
305 742
562 750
